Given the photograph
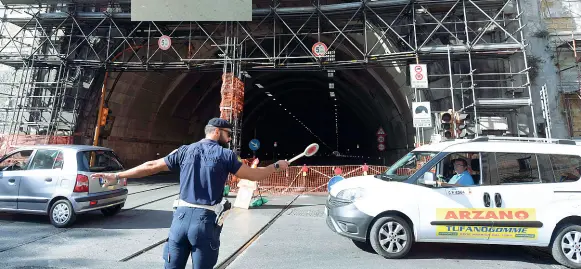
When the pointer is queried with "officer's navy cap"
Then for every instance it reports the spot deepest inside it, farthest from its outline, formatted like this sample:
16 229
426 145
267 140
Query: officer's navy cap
220 123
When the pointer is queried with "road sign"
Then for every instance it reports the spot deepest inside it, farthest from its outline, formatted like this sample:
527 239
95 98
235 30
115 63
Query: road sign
380 132
381 139
254 144
381 147
419 76
319 49
164 42
422 114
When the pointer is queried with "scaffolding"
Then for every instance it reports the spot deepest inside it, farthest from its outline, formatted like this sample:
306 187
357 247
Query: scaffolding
232 103
37 100
474 49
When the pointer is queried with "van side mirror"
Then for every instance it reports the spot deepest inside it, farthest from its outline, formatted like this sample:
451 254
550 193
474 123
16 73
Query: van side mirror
429 178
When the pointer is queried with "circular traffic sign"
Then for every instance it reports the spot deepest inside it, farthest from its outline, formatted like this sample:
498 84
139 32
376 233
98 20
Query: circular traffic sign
419 76
381 139
319 49
418 68
164 42
254 144
381 147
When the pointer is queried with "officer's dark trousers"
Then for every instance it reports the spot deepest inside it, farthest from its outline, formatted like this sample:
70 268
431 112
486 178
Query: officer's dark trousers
194 232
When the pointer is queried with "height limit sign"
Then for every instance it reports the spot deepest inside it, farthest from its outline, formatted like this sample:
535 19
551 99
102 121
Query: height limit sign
419 76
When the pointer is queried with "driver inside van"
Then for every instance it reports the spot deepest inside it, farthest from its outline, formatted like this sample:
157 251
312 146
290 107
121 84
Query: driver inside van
462 177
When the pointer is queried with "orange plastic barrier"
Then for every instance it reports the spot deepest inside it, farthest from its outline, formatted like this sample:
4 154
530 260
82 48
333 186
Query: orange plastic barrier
314 180
232 97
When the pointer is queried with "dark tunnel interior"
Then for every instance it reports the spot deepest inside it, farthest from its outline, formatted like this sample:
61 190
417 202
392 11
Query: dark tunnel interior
296 108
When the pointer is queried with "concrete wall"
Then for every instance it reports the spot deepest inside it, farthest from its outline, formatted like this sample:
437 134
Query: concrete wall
550 23
145 105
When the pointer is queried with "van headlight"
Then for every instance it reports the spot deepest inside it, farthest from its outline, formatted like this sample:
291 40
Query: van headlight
351 194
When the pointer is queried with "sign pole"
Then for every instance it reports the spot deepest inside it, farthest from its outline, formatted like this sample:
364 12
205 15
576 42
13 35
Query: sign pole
381 139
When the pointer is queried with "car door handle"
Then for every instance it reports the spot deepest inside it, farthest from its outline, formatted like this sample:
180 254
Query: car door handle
48 179
12 180
497 200
486 199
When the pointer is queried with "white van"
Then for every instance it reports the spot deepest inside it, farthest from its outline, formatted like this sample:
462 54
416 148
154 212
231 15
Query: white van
509 191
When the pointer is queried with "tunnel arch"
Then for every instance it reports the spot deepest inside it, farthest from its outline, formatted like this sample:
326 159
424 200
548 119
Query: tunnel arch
174 93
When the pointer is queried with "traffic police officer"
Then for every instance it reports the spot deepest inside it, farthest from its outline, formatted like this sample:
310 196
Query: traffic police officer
203 167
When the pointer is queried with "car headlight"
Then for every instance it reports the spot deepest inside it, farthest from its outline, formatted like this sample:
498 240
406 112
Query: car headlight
351 194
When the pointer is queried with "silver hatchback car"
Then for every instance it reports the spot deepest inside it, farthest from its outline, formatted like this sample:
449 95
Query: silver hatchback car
55 180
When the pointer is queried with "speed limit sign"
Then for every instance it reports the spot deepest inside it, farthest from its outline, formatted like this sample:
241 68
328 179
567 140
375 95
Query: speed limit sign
164 42
319 49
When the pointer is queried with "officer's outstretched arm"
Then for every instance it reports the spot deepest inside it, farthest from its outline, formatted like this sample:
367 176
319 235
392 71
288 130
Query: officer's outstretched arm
254 174
143 170
259 173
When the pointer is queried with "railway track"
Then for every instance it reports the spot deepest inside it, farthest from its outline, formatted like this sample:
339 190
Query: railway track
64 230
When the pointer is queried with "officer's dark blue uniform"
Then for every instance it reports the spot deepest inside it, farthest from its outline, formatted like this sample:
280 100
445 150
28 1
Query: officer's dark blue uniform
204 167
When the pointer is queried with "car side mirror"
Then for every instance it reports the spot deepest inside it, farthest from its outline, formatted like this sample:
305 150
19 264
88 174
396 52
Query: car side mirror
429 178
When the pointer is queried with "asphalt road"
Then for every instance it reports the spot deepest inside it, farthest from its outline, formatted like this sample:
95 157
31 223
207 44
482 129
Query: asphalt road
298 237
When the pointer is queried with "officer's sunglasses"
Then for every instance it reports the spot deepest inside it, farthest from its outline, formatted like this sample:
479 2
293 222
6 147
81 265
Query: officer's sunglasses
228 132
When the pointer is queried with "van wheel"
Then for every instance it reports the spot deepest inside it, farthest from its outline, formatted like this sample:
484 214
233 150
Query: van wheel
566 247
391 237
62 214
111 211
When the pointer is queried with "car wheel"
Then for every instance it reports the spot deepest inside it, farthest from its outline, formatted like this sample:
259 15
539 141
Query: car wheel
111 211
62 214
391 237
566 247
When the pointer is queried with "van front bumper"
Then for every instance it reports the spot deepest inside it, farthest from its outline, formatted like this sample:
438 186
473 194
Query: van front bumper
344 218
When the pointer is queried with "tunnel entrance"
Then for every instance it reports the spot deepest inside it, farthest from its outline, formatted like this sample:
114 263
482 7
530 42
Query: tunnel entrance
341 110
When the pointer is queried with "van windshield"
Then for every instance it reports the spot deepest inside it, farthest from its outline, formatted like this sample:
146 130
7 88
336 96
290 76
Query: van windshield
408 165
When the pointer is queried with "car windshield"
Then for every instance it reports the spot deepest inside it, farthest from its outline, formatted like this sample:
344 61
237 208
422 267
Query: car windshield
408 165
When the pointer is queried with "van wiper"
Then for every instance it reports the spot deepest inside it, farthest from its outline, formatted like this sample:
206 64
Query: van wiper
384 177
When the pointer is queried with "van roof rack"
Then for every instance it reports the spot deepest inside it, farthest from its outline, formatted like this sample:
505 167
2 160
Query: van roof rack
527 139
